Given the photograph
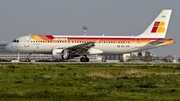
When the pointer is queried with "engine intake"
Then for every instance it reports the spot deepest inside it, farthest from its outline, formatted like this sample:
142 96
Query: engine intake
60 53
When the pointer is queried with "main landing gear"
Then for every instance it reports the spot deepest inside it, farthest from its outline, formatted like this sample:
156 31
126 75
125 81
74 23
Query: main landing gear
84 59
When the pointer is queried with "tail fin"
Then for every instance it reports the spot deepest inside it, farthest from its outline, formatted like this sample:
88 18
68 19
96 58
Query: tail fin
159 26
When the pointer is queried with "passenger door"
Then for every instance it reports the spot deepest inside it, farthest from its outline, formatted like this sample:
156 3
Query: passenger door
26 41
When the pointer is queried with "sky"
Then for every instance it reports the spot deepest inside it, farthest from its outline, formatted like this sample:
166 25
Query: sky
66 17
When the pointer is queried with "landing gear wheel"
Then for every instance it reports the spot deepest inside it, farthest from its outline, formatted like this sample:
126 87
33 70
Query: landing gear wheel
84 59
87 59
27 60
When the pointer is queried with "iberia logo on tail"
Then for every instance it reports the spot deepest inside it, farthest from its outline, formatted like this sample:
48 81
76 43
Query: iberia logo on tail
158 27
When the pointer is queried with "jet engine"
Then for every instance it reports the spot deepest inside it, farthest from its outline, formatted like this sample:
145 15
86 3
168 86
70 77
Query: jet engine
60 53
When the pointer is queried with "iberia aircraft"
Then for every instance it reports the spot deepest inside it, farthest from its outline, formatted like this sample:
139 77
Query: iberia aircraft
68 47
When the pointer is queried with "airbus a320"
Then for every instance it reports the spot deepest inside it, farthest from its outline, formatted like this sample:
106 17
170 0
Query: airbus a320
67 47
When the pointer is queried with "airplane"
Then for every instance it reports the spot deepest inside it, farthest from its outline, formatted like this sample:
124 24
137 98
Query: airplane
69 46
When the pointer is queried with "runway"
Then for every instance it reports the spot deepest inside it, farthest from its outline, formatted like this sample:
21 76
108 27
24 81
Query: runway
90 63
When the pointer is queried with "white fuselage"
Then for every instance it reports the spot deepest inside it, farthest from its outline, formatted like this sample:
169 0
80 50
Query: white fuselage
26 44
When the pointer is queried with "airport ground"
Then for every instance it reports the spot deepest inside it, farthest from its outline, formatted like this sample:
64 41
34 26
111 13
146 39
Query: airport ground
89 81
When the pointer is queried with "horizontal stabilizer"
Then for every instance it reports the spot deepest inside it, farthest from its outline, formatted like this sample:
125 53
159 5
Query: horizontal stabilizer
155 42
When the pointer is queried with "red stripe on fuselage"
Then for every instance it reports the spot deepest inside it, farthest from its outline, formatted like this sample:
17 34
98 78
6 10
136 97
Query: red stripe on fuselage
50 37
88 38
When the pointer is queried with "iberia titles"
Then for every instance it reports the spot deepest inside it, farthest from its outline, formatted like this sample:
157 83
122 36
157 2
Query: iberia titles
60 38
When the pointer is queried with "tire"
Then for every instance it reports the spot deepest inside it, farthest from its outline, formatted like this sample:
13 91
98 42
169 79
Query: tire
87 59
83 59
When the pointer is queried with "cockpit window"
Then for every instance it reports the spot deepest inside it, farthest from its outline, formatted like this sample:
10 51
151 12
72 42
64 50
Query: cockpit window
15 41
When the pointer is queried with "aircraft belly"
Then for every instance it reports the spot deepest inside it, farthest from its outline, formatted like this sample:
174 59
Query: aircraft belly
113 49
43 48
24 50
106 48
47 48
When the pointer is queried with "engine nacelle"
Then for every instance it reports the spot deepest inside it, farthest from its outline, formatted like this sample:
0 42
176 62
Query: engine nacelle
60 53
57 53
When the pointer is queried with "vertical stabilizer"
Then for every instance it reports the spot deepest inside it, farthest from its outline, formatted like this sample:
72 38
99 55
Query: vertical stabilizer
158 27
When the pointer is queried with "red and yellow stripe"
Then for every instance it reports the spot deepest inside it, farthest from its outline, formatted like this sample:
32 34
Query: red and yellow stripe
71 39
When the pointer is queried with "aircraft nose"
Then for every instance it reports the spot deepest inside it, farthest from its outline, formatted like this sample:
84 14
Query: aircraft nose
7 47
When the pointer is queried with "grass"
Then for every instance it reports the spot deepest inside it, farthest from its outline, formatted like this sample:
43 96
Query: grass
89 81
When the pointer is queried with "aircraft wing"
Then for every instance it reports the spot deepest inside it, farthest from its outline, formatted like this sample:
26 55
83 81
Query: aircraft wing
83 49
83 45
155 42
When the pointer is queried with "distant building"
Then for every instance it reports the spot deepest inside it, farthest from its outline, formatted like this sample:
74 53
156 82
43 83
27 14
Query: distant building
148 53
126 56
137 55
2 48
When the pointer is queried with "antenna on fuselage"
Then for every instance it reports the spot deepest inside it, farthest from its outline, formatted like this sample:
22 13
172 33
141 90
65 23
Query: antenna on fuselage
85 28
